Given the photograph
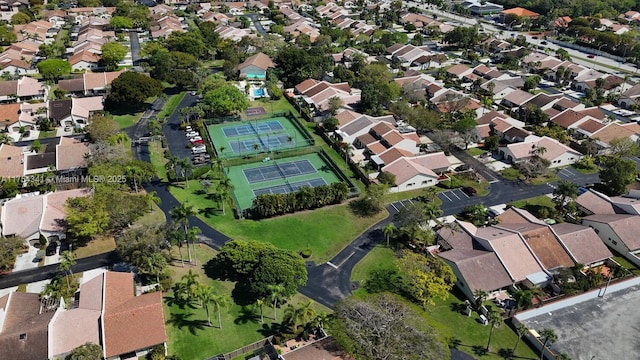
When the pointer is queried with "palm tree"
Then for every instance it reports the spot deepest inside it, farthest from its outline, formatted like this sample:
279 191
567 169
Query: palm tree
181 215
565 189
67 260
133 171
224 187
521 330
260 302
191 237
495 320
191 286
301 315
219 301
176 237
430 193
275 293
321 319
479 297
153 198
388 231
206 295
548 337
346 147
185 166
155 264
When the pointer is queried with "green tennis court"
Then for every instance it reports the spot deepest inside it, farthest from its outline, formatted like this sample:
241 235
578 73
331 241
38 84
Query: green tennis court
279 176
256 136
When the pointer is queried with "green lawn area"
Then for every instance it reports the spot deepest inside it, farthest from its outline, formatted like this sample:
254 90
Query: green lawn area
476 151
541 200
325 231
380 257
445 317
188 335
625 263
511 174
153 217
99 245
127 120
156 153
46 134
171 105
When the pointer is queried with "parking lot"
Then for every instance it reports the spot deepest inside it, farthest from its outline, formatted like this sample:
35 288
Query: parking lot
452 195
568 173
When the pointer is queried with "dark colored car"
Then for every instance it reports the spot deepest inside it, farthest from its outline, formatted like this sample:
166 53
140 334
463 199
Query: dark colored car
463 167
469 191
591 56
52 248
543 42
64 246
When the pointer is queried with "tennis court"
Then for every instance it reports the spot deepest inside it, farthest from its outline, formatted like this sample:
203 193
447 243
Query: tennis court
260 144
278 170
252 137
279 177
255 111
289 187
247 129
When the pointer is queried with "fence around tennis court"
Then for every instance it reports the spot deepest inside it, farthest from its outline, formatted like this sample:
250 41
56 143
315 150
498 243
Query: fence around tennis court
306 135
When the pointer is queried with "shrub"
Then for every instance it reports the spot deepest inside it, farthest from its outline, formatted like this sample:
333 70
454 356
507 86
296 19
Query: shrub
305 253
450 184
22 288
42 240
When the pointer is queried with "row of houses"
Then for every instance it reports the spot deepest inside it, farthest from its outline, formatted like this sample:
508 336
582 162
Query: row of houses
106 312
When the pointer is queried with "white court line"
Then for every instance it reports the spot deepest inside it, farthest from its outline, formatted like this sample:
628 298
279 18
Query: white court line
330 264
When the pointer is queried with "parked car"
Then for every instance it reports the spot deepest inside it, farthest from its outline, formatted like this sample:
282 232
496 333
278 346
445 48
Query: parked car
196 138
26 134
64 246
198 150
197 143
52 248
204 156
199 161
463 167
591 56
188 129
543 42
469 191
191 134
68 128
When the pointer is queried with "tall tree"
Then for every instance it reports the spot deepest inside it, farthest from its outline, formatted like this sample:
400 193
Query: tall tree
617 174
181 215
385 327
565 190
176 237
112 53
206 295
276 292
133 88
86 217
521 330
219 301
225 100
52 69
388 231
67 260
495 320
425 277
548 337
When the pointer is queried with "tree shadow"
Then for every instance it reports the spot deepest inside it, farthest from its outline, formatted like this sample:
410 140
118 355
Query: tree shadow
458 307
506 353
214 270
247 315
480 350
242 294
172 300
209 212
182 320
454 342
274 329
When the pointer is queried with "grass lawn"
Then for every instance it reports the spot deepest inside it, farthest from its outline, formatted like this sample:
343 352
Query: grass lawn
511 174
188 334
325 231
99 245
156 153
541 200
444 316
153 217
543 179
127 120
46 134
171 105
476 151
625 263
583 170
381 257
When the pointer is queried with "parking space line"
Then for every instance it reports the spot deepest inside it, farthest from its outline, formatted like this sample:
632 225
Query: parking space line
392 204
454 194
445 195
465 194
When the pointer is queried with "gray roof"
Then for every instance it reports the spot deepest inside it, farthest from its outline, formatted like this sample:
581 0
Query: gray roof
480 269
582 242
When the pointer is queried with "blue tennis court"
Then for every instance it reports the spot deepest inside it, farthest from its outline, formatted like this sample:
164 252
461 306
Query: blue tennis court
252 129
290 187
279 171
262 143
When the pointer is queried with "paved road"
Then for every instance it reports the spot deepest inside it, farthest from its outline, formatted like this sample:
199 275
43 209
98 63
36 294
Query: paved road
134 42
49 271
330 282
256 22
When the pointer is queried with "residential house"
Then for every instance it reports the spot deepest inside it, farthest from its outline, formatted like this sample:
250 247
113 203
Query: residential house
521 12
517 99
630 16
165 25
555 152
482 8
353 129
630 97
232 33
255 67
25 88
619 232
32 215
12 159
581 243
417 172
303 26
89 83
316 94
24 329
593 202
75 111
8 8
84 60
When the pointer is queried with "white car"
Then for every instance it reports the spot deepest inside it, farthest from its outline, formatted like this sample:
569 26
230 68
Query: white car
192 134
198 150
198 147
188 129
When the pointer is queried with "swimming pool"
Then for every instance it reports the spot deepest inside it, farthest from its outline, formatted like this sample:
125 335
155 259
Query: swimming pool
258 92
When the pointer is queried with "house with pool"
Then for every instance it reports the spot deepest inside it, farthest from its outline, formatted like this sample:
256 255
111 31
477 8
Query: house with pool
255 67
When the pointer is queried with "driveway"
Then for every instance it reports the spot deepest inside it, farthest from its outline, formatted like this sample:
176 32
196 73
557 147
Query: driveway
134 42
